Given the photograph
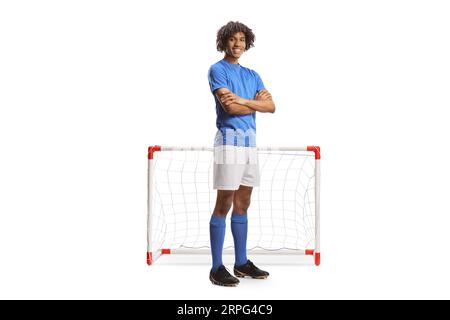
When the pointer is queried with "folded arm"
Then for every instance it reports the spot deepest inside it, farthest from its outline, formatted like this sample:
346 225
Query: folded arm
236 105
228 101
262 103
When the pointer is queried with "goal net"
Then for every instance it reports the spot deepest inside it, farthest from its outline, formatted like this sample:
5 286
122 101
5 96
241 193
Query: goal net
283 217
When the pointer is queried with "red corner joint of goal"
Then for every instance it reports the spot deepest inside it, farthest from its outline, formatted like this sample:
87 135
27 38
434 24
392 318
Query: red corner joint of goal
149 258
311 252
151 150
150 255
316 150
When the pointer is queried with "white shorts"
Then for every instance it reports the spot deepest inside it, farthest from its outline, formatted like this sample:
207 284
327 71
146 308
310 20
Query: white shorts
235 166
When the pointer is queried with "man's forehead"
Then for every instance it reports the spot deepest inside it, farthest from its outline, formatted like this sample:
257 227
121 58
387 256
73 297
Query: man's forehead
238 35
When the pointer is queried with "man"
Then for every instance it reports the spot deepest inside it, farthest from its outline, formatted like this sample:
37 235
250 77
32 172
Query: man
239 93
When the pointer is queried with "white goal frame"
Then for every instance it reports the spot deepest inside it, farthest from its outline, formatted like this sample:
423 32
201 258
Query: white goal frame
153 255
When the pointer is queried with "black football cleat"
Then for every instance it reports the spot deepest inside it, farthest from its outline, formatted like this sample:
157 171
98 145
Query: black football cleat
250 270
223 278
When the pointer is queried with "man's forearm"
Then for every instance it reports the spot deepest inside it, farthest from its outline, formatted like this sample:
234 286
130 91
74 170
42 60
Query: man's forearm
258 105
238 109
235 105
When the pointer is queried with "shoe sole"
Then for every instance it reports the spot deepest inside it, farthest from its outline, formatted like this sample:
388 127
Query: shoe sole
240 274
222 284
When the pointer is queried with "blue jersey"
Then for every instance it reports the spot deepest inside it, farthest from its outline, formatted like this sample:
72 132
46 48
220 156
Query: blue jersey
237 130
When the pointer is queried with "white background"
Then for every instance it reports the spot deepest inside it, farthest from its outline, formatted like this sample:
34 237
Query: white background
87 86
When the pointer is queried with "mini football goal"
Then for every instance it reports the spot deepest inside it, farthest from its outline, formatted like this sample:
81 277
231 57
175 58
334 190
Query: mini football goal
283 217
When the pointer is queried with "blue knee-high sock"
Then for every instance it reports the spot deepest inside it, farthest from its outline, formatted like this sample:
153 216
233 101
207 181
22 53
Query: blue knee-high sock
217 237
239 226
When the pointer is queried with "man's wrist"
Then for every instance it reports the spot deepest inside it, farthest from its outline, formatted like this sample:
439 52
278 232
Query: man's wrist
242 101
246 103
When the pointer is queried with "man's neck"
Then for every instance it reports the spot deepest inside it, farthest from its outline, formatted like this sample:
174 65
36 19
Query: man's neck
231 59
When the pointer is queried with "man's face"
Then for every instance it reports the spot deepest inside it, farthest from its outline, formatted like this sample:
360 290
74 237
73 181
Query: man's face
235 45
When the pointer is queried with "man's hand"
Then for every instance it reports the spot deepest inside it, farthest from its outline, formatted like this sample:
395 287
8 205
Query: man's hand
227 99
263 95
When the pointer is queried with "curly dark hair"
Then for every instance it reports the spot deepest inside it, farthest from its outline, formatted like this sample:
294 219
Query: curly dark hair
229 30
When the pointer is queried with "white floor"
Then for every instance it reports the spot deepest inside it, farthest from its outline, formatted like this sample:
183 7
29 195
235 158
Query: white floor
125 275
186 277
284 282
